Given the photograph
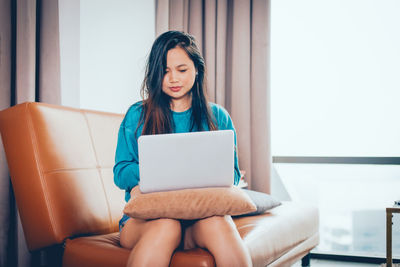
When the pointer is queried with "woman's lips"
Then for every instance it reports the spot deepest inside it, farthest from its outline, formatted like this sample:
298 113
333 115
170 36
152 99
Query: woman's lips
175 88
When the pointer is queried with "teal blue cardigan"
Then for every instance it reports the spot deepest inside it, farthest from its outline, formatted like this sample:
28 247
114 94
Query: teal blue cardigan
126 168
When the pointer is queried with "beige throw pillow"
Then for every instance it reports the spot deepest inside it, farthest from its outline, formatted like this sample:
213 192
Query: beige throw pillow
189 204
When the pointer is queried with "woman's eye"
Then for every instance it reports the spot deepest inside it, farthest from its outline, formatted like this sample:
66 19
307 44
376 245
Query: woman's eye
183 70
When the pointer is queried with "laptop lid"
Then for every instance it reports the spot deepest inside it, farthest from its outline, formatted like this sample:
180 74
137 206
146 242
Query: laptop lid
186 160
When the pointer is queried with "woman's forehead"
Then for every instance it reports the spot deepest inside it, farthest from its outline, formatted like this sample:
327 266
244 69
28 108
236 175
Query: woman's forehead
177 57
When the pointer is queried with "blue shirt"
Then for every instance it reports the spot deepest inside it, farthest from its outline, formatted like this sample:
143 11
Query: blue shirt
126 168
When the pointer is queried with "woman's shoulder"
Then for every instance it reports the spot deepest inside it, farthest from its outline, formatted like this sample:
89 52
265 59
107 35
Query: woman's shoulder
132 116
220 113
216 108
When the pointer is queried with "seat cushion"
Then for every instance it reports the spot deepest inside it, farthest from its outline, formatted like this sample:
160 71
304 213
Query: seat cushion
283 235
100 250
271 235
104 250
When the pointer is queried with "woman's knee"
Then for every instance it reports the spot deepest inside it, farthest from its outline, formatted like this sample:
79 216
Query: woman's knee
216 224
219 234
168 230
214 230
162 230
162 235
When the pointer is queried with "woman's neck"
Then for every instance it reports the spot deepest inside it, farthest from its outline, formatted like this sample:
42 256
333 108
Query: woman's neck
180 105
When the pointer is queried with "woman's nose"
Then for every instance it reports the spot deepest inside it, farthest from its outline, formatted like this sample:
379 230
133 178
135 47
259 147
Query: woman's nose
173 77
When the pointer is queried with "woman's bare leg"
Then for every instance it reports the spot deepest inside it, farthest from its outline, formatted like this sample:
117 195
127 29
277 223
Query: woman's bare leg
147 237
219 235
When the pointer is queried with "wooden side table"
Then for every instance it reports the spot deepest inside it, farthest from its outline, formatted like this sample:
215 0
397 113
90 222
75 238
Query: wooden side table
389 223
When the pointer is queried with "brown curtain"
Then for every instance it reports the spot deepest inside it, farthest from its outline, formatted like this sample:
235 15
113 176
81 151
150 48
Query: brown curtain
234 36
29 71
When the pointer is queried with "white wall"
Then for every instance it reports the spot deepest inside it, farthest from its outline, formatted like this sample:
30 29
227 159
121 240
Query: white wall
69 15
335 77
104 45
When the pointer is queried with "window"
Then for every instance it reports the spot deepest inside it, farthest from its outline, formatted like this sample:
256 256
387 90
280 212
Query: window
335 90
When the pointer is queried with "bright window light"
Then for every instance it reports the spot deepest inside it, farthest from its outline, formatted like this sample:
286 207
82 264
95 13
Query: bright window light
335 78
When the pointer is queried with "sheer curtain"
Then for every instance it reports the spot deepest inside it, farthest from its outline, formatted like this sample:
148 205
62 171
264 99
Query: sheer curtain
29 71
234 37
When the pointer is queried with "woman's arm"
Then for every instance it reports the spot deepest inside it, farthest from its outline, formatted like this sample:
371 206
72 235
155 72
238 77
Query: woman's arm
126 168
224 122
237 170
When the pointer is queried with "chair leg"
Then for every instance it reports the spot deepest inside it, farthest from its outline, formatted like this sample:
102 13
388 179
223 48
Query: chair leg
48 257
305 261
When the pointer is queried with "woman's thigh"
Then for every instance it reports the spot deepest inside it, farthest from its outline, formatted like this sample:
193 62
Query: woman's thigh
210 230
219 235
136 229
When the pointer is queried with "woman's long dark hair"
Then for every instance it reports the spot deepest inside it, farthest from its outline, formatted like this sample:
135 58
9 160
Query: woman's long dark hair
156 115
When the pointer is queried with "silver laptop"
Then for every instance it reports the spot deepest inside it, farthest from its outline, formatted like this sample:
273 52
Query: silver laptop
186 160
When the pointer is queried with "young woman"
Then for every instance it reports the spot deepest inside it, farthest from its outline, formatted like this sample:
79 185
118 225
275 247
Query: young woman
174 102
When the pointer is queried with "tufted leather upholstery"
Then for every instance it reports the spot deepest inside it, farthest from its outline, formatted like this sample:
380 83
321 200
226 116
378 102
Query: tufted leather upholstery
60 160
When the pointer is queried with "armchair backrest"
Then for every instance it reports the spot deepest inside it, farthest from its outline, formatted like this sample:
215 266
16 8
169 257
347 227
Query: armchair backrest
60 161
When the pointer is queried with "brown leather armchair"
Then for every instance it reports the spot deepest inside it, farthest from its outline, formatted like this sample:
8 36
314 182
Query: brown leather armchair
61 159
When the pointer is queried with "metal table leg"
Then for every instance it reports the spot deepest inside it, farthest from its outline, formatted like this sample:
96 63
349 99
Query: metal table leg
389 223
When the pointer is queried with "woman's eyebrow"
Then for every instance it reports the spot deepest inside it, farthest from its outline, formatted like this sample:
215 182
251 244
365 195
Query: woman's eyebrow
180 65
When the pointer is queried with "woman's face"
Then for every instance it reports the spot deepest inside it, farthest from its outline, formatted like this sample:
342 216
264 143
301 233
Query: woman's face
179 77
